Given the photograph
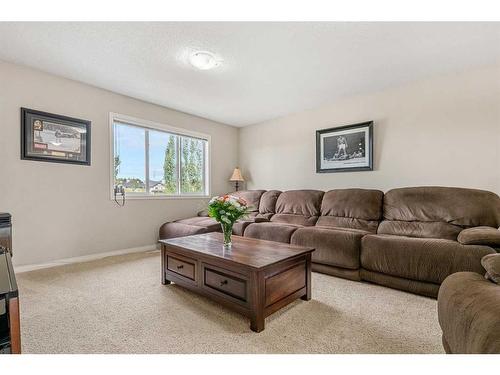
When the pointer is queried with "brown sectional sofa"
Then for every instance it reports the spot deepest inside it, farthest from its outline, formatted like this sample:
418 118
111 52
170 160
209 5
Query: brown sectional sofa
407 238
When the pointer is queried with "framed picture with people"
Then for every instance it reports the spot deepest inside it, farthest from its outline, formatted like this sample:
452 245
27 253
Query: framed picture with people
55 138
345 148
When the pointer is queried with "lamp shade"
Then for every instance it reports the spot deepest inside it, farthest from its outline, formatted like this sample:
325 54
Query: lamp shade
236 176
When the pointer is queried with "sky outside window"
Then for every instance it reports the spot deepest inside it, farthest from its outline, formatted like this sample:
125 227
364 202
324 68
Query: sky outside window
130 147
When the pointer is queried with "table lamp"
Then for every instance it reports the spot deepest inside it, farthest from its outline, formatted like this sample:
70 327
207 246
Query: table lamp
236 177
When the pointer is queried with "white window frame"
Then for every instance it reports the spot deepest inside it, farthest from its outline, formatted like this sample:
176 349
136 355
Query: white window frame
125 119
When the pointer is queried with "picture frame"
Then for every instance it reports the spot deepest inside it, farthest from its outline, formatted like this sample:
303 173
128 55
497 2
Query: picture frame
346 148
55 138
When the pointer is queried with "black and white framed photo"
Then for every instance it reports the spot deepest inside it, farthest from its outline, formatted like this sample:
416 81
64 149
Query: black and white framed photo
345 148
54 138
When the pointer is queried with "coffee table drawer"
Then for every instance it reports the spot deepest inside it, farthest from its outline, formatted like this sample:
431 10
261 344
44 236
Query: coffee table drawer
224 283
182 267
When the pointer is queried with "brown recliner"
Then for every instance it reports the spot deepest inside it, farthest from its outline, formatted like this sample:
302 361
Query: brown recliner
294 209
469 314
262 207
416 246
346 216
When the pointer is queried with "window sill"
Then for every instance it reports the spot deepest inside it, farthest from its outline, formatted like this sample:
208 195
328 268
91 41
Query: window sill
154 197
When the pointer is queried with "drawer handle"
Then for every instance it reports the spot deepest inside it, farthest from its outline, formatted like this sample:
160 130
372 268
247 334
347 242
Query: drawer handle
223 282
180 267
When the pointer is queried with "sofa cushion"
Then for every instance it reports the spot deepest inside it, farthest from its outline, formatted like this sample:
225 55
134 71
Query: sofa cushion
336 247
268 200
293 219
420 229
480 236
271 231
252 197
456 206
173 229
298 207
444 210
200 221
423 259
469 314
351 208
240 226
264 217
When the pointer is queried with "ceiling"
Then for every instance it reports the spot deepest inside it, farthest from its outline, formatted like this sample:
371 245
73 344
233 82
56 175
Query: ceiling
269 69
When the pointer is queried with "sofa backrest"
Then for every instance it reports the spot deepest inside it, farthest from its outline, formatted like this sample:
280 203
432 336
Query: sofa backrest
300 207
351 208
252 197
267 206
438 212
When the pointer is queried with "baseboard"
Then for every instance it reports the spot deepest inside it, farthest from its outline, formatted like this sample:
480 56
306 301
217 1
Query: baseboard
85 258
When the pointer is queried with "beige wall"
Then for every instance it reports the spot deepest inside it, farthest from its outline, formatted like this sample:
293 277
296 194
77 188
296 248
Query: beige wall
442 131
60 210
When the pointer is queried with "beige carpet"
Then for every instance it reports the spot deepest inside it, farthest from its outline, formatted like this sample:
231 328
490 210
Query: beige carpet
117 305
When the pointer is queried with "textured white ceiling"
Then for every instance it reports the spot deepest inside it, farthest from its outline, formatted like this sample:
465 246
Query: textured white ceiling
269 69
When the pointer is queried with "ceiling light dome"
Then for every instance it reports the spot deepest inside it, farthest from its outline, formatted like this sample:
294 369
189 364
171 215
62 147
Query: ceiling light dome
203 60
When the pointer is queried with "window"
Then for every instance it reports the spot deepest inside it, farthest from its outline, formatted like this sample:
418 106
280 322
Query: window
153 160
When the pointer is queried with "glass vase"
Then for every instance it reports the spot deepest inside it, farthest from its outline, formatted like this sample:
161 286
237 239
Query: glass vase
227 230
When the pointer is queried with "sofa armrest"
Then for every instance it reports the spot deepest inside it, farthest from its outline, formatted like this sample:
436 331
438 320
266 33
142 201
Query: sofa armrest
491 263
254 219
469 313
261 219
203 213
480 236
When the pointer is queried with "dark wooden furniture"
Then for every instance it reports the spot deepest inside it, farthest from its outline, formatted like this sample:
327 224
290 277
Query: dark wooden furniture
255 278
10 333
6 231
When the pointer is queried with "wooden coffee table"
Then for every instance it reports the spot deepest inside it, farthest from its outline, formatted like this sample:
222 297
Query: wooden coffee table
255 278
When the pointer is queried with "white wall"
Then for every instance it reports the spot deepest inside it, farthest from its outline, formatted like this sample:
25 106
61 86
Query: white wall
61 210
442 131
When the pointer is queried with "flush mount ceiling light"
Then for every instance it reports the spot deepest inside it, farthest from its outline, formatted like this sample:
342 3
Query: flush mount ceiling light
203 60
